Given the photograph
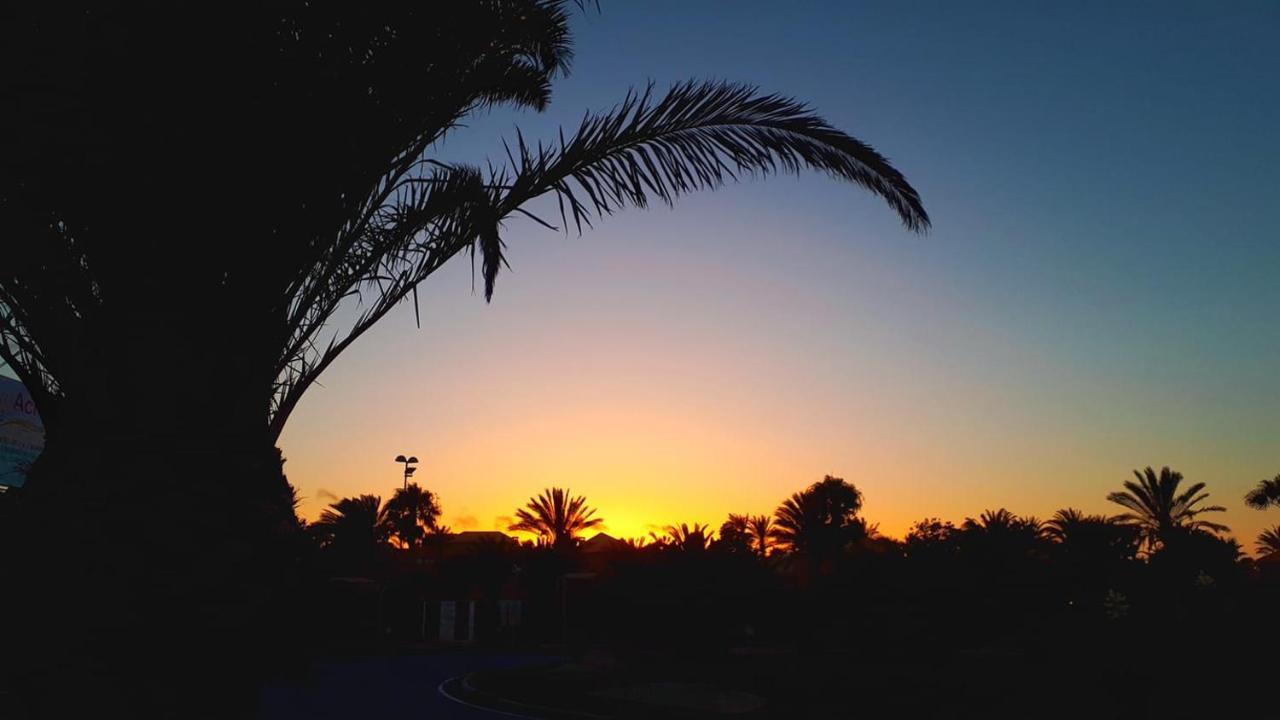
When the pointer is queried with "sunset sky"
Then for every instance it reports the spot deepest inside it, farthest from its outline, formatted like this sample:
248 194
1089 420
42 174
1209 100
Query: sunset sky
1099 292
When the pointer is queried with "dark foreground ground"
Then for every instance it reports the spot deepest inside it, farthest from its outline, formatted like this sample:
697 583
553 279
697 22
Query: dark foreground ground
992 681
384 686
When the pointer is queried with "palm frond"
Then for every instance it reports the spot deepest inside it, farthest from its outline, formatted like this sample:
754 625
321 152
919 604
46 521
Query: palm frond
695 137
1265 495
1269 541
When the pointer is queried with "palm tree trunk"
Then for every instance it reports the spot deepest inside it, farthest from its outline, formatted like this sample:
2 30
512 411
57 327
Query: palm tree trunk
157 534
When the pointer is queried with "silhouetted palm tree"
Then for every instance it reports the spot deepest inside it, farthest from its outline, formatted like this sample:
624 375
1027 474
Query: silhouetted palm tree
355 524
1003 521
1269 541
820 520
302 242
760 528
1157 507
412 512
932 540
1091 539
687 538
1067 522
556 517
735 534
1265 495
997 538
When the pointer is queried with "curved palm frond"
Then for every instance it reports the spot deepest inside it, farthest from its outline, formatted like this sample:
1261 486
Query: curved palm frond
1265 495
1269 541
695 137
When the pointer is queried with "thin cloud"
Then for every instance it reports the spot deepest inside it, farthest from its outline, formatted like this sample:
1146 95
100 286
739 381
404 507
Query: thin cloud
465 522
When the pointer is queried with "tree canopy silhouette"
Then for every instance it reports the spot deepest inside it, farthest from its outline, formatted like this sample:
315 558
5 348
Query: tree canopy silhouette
821 520
1157 507
735 534
411 513
1265 495
201 215
556 517
1091 539
760 529
1269 541
357 524
686 538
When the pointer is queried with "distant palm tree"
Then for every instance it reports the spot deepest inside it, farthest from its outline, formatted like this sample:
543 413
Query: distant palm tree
353 524
1003 521
998 536
1269 541
820 520
735 534
688 538
556 517
760 529
1070 522
1157 508
1091 538
1266 495
1059 526
412 512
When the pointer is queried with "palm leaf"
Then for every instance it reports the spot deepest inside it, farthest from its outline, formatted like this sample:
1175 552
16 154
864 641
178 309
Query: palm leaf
1266 494
1269 541
695 137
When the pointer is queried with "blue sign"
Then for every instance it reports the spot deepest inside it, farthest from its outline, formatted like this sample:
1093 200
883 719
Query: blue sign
21 432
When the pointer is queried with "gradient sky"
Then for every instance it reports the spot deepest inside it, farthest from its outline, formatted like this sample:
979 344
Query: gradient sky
1099 292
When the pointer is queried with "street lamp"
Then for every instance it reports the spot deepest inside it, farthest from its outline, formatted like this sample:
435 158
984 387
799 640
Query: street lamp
408 467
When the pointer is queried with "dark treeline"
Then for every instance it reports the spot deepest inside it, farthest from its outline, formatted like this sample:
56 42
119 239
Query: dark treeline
993 615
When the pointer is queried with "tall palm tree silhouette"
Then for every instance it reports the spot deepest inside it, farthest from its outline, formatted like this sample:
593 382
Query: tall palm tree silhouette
820 520
319 205
411 513
760 528
1157 507
1269 541
556 517
1265 495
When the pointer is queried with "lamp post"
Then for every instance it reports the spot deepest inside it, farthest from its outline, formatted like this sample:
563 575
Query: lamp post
408 467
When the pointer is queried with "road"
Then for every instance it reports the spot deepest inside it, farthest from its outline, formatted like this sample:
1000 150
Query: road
401 687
